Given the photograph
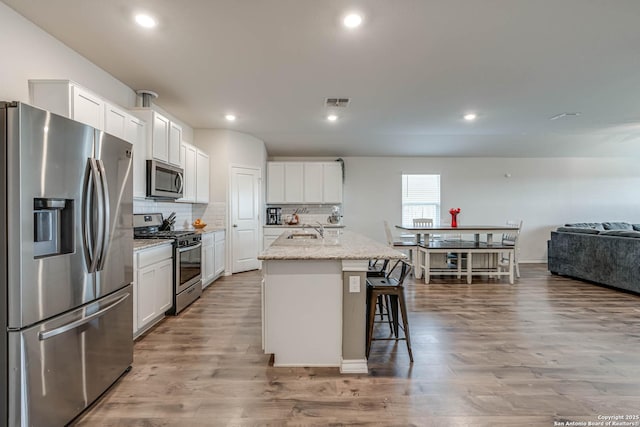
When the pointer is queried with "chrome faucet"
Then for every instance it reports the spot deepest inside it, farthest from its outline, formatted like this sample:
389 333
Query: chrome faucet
319 230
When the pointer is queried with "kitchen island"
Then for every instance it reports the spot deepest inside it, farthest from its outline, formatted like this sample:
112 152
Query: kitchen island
314 298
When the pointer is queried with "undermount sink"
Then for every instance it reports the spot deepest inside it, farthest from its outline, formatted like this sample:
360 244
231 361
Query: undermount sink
302 236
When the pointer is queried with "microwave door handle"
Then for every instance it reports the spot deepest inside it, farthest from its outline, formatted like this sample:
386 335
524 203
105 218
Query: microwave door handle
181 182
92 186
106 209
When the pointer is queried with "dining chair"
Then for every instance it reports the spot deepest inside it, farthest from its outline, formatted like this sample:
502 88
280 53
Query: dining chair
423 222
401 244
512 239
389 289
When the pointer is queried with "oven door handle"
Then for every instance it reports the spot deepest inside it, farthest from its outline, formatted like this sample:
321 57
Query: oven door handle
188 248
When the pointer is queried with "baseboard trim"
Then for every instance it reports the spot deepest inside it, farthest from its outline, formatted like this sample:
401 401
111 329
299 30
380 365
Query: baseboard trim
354 366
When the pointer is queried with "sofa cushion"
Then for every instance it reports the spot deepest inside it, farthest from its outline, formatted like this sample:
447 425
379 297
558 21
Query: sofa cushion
593 225
617 226
578 230
636 227
621 233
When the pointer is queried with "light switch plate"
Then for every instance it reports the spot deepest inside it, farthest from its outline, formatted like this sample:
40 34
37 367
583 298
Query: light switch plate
354 284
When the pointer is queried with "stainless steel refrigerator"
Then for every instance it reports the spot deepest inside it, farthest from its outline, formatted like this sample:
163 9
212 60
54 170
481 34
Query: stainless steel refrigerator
66 230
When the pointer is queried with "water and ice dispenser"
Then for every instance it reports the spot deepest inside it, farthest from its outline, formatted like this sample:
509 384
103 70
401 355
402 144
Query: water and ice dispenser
52 227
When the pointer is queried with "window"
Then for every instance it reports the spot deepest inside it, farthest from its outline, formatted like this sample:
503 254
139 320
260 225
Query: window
420 198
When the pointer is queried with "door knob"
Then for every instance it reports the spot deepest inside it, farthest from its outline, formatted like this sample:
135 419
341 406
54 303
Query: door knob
235 225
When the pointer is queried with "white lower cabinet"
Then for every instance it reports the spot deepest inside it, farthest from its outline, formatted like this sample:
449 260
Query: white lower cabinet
213 258
152 286
270 234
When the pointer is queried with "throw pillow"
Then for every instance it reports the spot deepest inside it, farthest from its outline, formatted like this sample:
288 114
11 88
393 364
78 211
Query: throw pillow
617 226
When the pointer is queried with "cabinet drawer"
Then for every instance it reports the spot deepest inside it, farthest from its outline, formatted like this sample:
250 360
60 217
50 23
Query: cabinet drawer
152 255
207 239
218 235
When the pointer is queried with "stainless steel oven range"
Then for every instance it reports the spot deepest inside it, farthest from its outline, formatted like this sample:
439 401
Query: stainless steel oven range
187 258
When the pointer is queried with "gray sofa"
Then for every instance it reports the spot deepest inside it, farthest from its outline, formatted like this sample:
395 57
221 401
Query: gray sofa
606 253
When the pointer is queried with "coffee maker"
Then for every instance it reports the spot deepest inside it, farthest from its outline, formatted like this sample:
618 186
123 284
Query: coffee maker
274 216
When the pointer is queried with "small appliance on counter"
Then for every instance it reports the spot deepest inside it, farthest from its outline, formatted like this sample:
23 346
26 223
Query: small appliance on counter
274 216
335 216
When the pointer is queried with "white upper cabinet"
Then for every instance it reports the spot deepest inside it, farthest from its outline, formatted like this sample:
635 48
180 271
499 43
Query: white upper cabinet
332 182
196 174
115 121
175 140
275 182
304 182
293 181
312 182
136 133
202 177
68 99
163 138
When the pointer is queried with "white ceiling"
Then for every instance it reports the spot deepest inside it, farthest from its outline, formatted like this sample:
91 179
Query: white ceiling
412 70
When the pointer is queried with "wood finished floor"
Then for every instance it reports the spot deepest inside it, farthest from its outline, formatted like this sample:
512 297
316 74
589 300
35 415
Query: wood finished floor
547 349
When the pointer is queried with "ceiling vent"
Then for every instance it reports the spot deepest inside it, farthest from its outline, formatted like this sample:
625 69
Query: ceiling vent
337 102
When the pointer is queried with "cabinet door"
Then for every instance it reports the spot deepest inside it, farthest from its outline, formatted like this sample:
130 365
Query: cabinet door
332 183
135 133
208 258
87 108
275 182
160 138
115 121
313 182
202 177
189 165
164 286
175 141
147 280
293 182
219 255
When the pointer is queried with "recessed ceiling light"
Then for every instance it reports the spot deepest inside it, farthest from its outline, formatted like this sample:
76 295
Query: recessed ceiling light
230 117
470 117
567 114
352 20
145 21
332 117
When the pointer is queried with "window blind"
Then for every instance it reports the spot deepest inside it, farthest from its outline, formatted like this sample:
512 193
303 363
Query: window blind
420 198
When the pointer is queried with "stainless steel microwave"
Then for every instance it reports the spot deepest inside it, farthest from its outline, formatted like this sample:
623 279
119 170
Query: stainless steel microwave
164 181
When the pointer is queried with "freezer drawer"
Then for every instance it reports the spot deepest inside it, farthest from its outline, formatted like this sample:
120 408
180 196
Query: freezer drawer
59 367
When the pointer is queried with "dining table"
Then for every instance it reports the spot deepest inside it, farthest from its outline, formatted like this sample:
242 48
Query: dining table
422 233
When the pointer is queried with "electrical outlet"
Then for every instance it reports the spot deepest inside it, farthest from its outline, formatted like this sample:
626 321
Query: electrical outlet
354 284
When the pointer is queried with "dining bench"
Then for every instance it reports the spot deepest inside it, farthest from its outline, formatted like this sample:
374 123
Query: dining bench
494 265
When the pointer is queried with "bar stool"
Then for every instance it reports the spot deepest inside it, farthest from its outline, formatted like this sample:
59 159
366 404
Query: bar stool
390 289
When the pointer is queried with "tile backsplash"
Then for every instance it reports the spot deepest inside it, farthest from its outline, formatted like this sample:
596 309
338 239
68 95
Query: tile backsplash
184 211
213 214
308 214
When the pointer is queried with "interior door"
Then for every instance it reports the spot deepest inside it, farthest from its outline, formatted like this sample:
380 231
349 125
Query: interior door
245 218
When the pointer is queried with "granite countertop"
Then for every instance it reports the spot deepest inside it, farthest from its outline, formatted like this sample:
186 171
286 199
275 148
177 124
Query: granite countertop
339 244
207 230
300 226
140 244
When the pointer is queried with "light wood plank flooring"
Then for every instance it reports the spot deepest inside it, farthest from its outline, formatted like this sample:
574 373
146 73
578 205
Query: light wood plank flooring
547 349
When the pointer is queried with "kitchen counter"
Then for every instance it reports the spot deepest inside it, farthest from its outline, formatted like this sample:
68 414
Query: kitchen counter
140 244
208 230
314 298
336 245
301 225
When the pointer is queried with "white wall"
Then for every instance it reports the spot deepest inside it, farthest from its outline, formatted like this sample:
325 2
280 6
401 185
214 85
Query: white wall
544 192
28 52
226 148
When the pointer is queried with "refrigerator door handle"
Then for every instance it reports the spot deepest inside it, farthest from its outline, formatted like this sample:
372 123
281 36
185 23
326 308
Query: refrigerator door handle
45 335
93 185
104 245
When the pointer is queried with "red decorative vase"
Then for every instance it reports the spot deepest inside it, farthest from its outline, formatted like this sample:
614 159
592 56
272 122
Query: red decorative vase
454 219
